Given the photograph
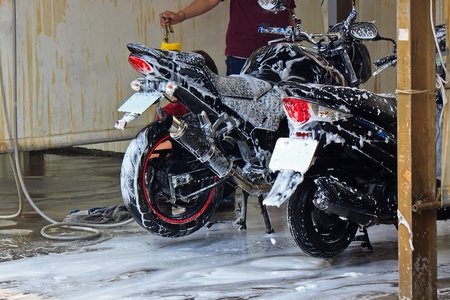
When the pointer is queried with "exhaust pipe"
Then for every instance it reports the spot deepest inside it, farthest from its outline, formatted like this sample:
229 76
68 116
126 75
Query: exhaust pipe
335 198
196 142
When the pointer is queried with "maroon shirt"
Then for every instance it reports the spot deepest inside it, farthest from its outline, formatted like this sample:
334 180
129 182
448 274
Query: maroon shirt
245 17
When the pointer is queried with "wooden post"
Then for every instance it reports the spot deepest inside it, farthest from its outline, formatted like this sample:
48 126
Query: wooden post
416 150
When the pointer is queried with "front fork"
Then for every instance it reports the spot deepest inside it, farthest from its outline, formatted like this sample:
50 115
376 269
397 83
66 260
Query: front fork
354 81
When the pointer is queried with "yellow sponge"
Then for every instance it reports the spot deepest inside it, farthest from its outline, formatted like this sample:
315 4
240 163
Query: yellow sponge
171 46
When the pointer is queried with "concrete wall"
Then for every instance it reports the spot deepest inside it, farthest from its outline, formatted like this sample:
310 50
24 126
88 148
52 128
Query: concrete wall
66 63
385 14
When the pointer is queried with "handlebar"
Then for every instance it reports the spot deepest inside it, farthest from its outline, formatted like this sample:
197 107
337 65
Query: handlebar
274 30
385 60
384 63
290 33
294 34
351 17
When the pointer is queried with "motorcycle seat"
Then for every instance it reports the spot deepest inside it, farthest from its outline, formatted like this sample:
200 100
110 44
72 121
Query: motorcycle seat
235 86
240 86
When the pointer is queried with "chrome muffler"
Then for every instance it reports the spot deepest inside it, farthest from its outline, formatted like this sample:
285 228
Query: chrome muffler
195 141
193 138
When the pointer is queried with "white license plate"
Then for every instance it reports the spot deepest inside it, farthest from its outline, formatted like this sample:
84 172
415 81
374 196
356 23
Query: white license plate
293 154
139 102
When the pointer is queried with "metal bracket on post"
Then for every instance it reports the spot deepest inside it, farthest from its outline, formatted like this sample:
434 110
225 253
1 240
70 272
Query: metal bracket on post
442 200
421 205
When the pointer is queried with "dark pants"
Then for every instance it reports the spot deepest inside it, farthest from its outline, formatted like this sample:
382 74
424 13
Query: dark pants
234 64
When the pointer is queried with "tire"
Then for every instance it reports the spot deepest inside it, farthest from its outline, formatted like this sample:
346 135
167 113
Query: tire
318 233
147 163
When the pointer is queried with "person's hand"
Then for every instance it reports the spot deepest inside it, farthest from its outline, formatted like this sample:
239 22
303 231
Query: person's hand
170 18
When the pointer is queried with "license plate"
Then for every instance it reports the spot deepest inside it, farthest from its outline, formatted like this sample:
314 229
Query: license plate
139 102
293 154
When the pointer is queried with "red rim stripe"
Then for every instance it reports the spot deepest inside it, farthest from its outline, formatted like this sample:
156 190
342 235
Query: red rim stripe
165 219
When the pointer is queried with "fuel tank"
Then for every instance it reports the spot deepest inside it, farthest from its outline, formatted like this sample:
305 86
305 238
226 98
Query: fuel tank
292 62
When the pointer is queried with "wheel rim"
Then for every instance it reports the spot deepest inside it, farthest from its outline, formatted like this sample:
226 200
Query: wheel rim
166 157
328 227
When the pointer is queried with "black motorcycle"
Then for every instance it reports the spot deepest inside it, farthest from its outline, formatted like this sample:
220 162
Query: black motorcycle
175 171
338 168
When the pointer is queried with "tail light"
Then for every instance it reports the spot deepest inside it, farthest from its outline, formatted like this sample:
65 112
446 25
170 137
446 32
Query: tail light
297 110
140 65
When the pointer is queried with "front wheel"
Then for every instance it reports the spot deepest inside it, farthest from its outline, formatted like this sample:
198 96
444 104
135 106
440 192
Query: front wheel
165 189
317 232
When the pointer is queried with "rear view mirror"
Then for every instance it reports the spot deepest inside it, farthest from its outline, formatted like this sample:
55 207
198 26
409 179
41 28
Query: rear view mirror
363 31
272 5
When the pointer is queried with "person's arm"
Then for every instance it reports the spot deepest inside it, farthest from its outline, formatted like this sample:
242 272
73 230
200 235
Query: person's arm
196 8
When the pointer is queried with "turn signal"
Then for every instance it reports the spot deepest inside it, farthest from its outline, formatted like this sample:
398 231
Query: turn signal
140 65
297 110
136 85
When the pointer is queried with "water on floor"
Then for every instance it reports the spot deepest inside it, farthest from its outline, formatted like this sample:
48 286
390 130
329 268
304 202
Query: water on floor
219 262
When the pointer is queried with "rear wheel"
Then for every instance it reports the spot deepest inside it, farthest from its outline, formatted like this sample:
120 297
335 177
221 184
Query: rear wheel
166 190
317 232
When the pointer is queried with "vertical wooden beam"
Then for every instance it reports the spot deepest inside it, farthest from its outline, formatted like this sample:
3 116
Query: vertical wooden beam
416 150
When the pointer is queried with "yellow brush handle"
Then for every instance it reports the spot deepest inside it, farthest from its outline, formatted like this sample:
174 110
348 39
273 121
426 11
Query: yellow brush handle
171 46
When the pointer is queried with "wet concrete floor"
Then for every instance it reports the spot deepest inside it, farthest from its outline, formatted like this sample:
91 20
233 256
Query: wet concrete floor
216 263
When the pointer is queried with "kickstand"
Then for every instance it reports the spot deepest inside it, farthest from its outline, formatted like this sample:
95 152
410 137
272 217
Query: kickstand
265 214
241 222
364 238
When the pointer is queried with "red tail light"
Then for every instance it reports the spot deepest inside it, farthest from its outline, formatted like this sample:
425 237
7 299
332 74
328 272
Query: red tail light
297 110
140 65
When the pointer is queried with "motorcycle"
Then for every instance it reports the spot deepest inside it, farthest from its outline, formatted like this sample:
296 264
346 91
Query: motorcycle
176 170
338 167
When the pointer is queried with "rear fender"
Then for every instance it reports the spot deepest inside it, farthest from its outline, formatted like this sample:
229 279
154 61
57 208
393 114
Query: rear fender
283 188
